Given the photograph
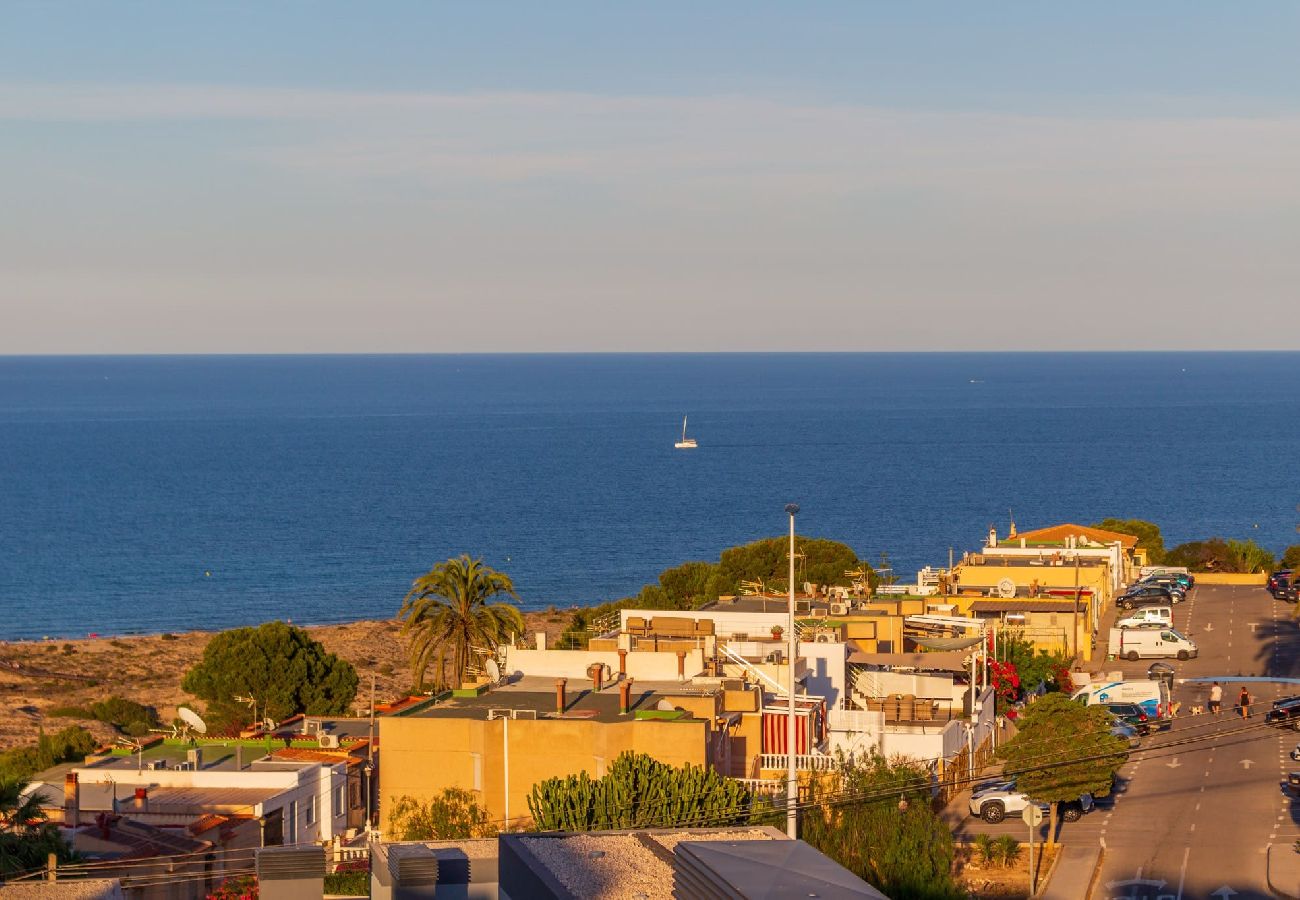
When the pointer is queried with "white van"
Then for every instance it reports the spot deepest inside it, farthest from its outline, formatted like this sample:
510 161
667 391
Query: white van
1152 696
1148 643
1147 616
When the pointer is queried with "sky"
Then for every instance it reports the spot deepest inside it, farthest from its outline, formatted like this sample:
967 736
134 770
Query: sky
565 176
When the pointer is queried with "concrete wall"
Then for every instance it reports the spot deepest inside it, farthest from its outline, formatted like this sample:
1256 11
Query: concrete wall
644 666
1255 578
725 622
422 756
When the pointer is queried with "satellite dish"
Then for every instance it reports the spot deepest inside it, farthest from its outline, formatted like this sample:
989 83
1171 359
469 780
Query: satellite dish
665 705
192 719
1006 588
493 671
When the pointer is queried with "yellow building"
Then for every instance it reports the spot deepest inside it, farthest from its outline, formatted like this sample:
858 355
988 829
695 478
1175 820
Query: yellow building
503 741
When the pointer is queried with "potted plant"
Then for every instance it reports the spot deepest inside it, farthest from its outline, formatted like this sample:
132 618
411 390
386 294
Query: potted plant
777 631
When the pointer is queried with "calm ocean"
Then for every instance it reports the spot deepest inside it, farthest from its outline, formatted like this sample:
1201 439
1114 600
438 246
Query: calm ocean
316 488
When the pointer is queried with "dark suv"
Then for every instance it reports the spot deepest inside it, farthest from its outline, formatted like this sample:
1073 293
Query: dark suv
1145 595
1132 714
1285 712
1278 583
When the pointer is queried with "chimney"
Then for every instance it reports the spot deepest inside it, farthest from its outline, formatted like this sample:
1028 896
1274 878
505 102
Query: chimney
624 696
72 799
141 799
596 672
622 662
560 700
681 665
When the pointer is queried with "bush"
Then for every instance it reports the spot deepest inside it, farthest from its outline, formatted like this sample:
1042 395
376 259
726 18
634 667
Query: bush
69 712
1008 850
168 636
987 848
1218 555
452 815
120 711
138 728
348 884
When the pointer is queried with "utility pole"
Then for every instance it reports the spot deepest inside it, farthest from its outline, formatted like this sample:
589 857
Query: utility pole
370 751
1074 631
792 645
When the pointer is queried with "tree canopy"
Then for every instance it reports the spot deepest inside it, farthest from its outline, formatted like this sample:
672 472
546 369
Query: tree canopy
1290 558
1062 750
449 611
1218 555
26 838
281 667
904 849
690 585
1147 533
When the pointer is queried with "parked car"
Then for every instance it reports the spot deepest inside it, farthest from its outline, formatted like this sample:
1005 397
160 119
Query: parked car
1170 580
1285 713
1290 593
1271 584
1180 572
993 801
1148 616
1134 716
1145 595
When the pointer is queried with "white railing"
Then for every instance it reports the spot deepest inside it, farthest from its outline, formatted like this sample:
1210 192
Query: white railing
733 657
764 787
606 623
803 762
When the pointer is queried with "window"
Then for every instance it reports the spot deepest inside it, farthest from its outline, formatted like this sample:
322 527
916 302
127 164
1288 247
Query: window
354 794
338 800
309 811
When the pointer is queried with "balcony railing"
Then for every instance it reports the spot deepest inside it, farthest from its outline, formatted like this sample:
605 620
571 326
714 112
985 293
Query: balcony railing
803 762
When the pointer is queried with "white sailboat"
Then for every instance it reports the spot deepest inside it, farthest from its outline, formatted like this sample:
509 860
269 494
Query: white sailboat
685 443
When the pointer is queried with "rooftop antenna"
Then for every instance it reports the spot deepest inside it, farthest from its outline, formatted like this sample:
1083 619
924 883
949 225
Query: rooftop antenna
252 705
138 746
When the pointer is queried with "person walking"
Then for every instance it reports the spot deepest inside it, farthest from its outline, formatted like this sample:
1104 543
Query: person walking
1243 700
1216 698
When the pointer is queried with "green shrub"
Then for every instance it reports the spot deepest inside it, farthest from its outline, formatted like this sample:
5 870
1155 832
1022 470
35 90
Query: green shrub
1008 850
69 712
987 849
348 884
138 728
168 636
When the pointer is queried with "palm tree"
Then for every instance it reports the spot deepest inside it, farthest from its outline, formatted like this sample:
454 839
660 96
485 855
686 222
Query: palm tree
447 614
26 838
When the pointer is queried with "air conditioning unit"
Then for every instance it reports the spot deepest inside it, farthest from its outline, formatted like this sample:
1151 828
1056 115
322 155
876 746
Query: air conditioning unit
839 609
803 606
825 638
329 741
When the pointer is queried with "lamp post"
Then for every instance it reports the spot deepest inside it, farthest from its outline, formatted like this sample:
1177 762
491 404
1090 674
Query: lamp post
791 774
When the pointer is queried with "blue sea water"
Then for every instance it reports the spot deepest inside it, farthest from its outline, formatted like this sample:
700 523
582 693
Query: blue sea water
316 488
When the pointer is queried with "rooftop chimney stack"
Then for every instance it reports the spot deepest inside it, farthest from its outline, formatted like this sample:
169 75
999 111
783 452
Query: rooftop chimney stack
622 662
141 799
560 699
72 799
624 696
681 665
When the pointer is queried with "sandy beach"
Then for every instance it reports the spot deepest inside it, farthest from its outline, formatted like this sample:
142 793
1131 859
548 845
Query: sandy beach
36 676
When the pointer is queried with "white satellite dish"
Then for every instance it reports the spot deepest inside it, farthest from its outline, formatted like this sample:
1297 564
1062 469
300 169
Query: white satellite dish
665 705
192 719
1006 588
493 671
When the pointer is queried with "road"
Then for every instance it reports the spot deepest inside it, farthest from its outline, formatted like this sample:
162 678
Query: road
1198 805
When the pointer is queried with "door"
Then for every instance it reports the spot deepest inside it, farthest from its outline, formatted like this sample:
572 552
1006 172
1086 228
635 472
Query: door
273 828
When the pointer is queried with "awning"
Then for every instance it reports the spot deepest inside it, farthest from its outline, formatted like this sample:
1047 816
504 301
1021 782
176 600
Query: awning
1022 605
938 643
935 662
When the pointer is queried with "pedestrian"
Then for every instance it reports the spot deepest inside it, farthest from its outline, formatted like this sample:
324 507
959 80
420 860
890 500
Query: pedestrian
1243 700
1216 698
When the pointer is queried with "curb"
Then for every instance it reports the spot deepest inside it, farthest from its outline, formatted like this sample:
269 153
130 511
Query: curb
1096 870
1051 870
1268 874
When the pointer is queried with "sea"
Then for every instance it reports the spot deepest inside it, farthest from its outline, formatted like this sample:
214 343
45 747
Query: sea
151 494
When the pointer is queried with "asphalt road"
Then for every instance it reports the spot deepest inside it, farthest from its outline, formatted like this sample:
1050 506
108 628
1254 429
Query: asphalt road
1198 805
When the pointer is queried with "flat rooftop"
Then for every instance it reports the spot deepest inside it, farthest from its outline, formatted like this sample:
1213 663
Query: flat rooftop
536 694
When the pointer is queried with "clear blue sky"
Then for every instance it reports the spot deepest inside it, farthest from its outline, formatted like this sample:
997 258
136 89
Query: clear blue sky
304 177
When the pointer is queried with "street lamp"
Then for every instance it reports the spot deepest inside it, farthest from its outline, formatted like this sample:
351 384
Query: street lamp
792 649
